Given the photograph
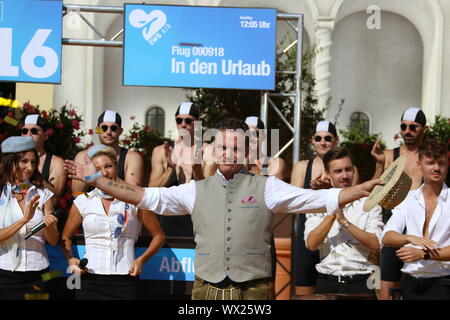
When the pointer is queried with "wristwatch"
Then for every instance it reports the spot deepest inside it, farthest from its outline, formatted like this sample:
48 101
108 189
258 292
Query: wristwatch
346 225
426 256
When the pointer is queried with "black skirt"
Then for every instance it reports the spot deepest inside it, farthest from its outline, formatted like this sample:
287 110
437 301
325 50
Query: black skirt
107 287
15 285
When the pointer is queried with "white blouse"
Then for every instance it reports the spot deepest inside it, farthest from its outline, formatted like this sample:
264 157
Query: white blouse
107 253
33 255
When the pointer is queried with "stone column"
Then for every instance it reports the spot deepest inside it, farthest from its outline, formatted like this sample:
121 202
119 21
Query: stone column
324 29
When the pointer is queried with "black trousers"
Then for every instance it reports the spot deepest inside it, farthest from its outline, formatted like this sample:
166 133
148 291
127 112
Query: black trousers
425 288
15 285
330 284
108 287
305 260
390 264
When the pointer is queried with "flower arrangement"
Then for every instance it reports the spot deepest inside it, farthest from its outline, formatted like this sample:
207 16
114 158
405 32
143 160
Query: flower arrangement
64 131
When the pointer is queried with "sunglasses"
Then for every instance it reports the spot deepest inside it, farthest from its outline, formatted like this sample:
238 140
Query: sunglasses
412 127
180 120
327 138
34 131
113 128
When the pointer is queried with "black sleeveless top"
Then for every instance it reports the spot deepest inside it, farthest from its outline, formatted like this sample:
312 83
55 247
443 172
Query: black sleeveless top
396 153
308 175
46 166
121 164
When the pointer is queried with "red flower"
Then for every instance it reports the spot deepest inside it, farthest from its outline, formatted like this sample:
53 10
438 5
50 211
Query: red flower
59 125
76 140
76 124
2 136
134 135
50 131
127 142
90 131
30 109
147 128
10 114
72 112
44 114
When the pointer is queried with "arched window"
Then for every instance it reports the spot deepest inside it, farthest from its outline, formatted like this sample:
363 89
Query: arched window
360 119
155 118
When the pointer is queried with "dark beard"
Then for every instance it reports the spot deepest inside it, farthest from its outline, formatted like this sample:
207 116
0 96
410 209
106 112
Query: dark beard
410 141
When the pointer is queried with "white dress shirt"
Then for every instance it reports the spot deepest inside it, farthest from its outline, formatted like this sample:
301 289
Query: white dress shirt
106 254
33 255
279 197
340 253
411 214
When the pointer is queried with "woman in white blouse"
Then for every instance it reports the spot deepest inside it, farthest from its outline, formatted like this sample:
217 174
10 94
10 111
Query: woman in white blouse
111 228
23 204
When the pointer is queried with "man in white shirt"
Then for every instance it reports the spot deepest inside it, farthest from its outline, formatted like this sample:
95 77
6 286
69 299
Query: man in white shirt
425 213
232 231
348 239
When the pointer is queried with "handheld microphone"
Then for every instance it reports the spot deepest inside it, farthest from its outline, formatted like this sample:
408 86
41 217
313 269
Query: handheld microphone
83 263
59 214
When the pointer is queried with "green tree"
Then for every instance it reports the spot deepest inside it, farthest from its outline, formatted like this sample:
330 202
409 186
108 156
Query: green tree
440 129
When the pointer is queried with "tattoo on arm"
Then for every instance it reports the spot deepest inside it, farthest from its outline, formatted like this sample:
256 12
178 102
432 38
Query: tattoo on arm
119 186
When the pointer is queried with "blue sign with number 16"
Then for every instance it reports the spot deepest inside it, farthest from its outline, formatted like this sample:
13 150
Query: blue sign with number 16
30 40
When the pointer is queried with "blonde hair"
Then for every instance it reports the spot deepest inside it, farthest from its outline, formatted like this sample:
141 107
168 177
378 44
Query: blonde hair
107 151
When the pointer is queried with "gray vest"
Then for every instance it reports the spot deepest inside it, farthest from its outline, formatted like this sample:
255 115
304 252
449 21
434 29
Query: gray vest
232 228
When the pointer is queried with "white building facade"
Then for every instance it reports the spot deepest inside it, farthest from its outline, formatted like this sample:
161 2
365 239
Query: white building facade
381 56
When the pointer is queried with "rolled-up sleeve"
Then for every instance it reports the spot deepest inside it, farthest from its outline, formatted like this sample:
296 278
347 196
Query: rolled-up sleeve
281 197
397 222
177 200
312 222
375 223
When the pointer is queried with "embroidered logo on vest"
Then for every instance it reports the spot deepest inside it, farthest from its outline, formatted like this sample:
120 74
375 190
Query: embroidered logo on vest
248 202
